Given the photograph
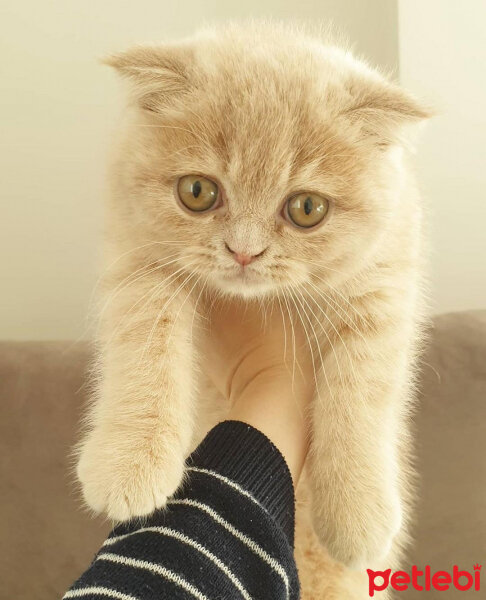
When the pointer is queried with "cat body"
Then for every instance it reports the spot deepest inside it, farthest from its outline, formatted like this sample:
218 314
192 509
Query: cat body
266 113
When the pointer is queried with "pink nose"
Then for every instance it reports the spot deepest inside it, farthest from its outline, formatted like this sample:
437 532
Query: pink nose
242 258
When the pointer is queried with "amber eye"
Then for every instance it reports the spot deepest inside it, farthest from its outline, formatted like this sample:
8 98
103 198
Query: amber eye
197 193
307 210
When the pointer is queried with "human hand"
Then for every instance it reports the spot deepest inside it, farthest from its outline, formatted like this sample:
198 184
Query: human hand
262 364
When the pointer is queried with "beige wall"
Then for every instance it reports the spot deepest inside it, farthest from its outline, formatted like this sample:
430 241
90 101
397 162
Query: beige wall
58 107
443 57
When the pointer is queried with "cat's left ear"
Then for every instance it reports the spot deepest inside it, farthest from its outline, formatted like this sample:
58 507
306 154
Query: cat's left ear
158 74
385 113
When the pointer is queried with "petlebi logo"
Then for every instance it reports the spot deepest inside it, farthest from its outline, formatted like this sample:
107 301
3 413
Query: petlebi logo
425 580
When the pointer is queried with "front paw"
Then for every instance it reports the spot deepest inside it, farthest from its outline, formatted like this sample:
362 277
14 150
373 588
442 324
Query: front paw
359 534
126 480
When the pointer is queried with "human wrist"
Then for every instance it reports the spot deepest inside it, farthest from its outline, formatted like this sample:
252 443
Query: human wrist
279 412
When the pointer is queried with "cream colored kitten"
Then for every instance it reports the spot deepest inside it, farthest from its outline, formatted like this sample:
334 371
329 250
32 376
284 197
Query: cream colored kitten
256 161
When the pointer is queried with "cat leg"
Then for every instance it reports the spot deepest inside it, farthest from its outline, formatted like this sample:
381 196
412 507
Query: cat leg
141 421
359 424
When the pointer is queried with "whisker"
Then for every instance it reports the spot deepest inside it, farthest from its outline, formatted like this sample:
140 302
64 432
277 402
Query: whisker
168 243
306 333
321 266
152 292
117 260
327 300
203 287
336 291
90 307
293 335
216 297
198 279
284 328
167 281
350 359
312 353
174 127
326 334
129 281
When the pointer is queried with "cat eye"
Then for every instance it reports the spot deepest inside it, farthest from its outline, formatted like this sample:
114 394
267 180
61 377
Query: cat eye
306 210
197 193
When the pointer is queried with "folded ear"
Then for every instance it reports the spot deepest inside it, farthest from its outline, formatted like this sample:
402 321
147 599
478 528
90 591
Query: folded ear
158 74
385 112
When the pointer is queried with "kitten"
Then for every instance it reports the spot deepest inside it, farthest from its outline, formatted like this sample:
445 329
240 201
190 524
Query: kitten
255 161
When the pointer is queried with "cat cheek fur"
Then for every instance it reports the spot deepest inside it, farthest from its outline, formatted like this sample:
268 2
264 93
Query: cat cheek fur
266 110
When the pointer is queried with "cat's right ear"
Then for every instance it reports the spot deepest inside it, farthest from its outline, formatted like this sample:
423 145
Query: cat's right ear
158 74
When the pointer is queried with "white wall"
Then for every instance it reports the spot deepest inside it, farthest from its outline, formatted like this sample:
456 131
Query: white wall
58 107
443 57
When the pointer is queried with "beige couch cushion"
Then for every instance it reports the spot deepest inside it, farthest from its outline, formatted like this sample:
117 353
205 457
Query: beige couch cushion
46 539
451 450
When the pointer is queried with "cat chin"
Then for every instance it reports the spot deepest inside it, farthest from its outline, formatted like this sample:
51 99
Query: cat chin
238 288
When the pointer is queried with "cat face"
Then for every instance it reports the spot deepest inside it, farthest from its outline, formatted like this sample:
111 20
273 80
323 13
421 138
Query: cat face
261 159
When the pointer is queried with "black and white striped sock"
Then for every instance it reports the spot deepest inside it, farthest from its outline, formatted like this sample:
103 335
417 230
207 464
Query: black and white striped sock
227 533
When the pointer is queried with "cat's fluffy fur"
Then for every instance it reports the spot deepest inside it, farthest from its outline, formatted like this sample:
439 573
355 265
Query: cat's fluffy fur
265 110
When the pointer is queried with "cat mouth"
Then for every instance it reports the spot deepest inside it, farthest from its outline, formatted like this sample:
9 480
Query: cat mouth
243 274
243 279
